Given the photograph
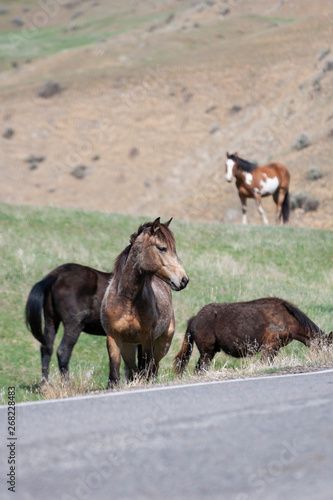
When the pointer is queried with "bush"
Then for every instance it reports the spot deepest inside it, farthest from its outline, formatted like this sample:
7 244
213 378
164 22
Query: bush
302 142
314 174
302 200
49 89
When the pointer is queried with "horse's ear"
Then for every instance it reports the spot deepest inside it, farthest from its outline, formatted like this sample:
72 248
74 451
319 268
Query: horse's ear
156 225
167 224
227 154
330 338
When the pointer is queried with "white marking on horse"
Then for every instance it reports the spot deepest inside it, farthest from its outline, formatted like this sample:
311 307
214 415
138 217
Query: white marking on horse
230 165
248 178
269 185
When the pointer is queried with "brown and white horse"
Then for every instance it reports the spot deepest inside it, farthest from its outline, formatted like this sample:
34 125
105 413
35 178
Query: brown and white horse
253 181
137 306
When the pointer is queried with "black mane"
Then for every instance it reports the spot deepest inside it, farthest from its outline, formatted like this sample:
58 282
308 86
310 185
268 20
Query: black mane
244 165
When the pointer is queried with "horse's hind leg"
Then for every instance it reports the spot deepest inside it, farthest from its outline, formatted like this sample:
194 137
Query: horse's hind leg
204 360
244 209
279 197
64 352
268 352
50 330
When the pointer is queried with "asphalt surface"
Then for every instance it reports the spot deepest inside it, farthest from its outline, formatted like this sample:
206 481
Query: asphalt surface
267 438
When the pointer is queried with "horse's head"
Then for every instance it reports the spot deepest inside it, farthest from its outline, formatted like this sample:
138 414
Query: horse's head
230 166
158 253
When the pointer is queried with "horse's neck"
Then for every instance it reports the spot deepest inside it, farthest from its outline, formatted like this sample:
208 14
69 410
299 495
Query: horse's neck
132 278
306 336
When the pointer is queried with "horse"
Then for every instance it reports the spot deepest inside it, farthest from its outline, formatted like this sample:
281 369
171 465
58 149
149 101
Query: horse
245 328
137 306
253 181
70 294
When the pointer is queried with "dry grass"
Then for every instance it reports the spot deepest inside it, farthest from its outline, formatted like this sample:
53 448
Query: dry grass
294 361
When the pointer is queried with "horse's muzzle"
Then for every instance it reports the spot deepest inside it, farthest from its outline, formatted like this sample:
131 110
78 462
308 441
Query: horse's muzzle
182 284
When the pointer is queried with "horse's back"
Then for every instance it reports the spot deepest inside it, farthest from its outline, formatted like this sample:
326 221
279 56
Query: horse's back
239 324
78 290
279 170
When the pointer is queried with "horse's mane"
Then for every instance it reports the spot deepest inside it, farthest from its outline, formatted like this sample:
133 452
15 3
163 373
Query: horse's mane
244 165
164 234
302 318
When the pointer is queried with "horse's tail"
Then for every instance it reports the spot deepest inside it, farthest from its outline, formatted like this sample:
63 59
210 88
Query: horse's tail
183 357
303 320
286 208
34 306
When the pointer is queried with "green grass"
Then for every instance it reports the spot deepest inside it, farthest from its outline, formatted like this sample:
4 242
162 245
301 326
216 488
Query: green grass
225 263
31 41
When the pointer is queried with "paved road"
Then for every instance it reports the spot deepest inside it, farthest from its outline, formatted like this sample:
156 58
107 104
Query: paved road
268 438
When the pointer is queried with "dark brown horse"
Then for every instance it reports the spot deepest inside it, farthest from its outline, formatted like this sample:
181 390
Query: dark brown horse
245 328
137 306
70 294
256 182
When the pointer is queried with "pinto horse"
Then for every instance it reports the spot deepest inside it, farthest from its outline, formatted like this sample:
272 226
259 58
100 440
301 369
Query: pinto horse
256 182
245 328
71 294
137 306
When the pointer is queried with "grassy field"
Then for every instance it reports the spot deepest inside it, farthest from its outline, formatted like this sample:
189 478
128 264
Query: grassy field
225 263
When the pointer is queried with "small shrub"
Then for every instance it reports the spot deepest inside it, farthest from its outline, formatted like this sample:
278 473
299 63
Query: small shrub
302 200
235 109
8 133
79 171
310 205
328 66
49 89
314 174
302 142
323 53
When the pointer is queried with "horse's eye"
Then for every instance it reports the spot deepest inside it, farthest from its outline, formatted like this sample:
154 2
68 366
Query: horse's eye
162 249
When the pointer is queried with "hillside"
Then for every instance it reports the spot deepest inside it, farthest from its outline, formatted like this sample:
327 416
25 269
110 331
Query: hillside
152 96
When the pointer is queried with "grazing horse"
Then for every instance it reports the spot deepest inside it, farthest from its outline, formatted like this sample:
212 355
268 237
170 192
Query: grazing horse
246 328
137 306
256 182
70 294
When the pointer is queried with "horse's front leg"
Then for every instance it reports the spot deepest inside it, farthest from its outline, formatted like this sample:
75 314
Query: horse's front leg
128 353
261 208
162 345
147 363
114 358
244 209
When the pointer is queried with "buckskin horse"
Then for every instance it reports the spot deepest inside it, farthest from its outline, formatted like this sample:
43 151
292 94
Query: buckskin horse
253 181
245 328
137 306
71 294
